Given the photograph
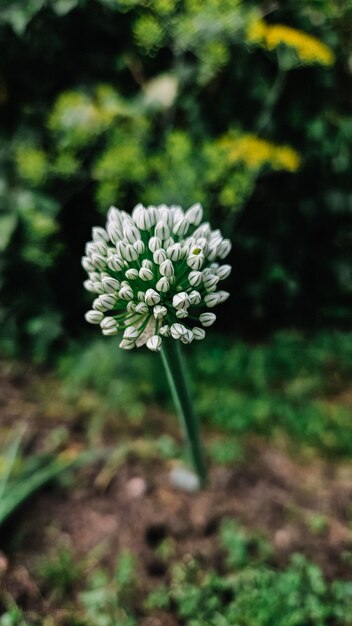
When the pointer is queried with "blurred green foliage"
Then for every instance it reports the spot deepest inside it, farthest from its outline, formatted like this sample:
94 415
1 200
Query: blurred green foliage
294 384
175 101
256 596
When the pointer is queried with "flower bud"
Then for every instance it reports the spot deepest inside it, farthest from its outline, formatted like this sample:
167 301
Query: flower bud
174 252
194 214
111 285
142 308
223 271
165 331
130 306
159 311
211 299
177 330
94 317
129 253
89 286
181 227
99 261
151 297
110 331
195 278
114 232
212 253
181 313
132 274
131 233
224 248
127 344
210 282
167 268
131 332
207 319
163 285
154 343
126 292
142 217
108 300
108 322
159 256
223 296
98 287
114 215
187 337
198 333
115 263
194 297
100 234
145 274
195 261
148 264
139 246
154 244
87 264
162 231
180 300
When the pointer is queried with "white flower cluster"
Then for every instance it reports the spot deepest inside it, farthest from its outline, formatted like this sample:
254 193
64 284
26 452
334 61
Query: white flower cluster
155 273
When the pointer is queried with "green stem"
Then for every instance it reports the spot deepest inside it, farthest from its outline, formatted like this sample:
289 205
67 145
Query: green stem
175 372
271 99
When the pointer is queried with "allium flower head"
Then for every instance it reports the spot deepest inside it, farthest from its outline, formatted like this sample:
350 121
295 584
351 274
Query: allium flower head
155 274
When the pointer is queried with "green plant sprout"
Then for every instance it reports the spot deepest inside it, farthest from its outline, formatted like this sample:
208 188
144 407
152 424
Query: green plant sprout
155 275
22 476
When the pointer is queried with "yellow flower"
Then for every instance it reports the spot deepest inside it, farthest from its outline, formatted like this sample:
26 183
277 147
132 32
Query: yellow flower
309 49
255 152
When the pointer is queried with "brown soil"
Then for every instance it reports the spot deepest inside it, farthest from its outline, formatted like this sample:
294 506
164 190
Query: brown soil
137 508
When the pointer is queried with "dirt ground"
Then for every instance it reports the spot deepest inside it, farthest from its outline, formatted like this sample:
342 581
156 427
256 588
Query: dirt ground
135 507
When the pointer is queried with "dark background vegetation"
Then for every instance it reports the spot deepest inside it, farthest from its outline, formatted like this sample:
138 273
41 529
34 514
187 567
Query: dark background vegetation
291 231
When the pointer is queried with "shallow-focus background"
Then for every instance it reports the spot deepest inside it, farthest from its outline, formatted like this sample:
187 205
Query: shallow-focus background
245 107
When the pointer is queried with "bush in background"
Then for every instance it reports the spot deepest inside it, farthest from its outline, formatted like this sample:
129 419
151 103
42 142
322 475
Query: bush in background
243 108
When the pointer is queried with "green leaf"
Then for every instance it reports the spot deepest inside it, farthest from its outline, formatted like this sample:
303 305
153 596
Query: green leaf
7 226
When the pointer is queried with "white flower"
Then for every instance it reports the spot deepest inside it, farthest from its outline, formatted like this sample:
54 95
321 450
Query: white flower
154 343
177 330
111 285
195 261
181 300
154 244
151 297
126 292
94 317
223 271
172 253
127 344
163 285
194 297
187 337
145 274
159 311
195 278
108 322
159 256
167 268
211 299
198 333
207 319
131 332
194 214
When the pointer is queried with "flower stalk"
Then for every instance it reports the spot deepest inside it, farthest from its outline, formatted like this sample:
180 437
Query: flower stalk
177 379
